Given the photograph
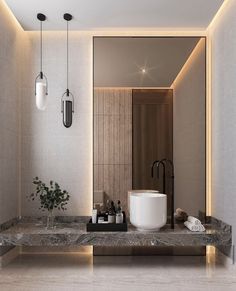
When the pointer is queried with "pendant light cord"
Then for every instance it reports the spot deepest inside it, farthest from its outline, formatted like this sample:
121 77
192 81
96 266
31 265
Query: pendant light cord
67 17
41 46
67 48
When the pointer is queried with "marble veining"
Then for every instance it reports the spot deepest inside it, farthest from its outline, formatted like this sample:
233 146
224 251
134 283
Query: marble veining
9 223
217 223
72 232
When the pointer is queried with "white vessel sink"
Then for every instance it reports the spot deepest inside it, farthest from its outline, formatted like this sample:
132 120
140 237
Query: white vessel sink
138 192
148 209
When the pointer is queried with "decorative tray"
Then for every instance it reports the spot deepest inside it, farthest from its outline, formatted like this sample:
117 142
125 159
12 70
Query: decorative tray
107 226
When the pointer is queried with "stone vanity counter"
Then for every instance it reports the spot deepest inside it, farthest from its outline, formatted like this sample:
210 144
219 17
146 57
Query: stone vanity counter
32 232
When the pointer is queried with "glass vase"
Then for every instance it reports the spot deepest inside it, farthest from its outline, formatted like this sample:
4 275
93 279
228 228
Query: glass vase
50 219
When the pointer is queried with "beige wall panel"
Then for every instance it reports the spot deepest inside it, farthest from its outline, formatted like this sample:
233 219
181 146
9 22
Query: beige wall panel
113 142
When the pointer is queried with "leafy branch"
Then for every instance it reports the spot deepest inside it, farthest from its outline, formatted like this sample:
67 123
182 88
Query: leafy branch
50 196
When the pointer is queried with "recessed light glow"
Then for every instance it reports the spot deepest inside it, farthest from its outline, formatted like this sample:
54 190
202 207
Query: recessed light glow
143 71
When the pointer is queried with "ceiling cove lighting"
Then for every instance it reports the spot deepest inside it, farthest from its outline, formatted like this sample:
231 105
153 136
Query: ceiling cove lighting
67 100
41 82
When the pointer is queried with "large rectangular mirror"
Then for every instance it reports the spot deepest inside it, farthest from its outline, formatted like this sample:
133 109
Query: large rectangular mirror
149 104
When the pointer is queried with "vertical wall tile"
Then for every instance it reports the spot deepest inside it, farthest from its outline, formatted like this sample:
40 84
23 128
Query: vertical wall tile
100 101
115 139
100 139
106 126
95 101
96 139
95 177
121 140
100 173
128 139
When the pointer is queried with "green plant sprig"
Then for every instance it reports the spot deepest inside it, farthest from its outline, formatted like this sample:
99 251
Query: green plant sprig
50 196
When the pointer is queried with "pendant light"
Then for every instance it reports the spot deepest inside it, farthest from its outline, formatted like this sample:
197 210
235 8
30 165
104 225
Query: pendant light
41 83
67 101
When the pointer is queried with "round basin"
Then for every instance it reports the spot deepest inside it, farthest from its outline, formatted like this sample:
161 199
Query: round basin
138 192
148 210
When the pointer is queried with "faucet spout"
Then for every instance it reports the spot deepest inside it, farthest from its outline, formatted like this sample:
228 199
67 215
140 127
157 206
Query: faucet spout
171 164
164 163
152 168
158 163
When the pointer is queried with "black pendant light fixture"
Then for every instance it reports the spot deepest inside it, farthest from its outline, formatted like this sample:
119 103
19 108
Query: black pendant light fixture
67 100
41 83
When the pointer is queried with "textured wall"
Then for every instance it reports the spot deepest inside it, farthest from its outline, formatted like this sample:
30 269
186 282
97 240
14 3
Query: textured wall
48 149
189 133
223 38
113 143
12 40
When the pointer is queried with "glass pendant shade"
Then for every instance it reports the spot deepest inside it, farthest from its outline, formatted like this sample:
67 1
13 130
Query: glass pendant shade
67 100
41 83
41 92
67 108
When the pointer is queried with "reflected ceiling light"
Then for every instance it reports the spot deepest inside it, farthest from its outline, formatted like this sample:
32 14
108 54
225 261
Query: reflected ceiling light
144 71
41 83
67 101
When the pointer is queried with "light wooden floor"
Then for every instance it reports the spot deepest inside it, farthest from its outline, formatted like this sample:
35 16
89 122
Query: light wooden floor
84 272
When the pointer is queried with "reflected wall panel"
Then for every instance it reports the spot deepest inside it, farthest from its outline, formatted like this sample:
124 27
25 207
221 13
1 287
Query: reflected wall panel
113 142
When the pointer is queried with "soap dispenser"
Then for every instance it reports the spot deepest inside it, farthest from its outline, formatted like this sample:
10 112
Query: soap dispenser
112 213
119 213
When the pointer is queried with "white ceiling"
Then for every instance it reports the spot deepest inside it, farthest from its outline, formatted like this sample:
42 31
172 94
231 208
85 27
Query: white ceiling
118 61
116 14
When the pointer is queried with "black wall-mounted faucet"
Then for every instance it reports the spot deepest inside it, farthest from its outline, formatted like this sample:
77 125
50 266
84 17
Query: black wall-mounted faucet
164 163
158 163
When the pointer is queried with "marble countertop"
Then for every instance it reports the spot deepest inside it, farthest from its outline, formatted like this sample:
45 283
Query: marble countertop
34 233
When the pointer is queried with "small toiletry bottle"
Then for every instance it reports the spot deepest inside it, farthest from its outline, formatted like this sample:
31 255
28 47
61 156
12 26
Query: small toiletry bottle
94 215
107 208
100 219
112 214
98 207
119 213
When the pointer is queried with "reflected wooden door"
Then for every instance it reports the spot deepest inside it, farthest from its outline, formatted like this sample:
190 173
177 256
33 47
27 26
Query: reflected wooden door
152 136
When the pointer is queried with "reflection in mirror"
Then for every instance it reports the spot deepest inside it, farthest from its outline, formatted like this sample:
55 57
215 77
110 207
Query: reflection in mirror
149 104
